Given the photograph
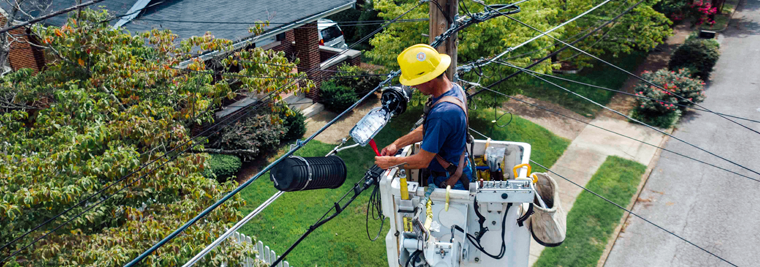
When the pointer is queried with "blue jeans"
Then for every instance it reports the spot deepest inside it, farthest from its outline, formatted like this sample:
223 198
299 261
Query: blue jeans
467 172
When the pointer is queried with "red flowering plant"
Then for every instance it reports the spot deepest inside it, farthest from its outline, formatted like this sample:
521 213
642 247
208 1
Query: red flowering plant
703 10
664 100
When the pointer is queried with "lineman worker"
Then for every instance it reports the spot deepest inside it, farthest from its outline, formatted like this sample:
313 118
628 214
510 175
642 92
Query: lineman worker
444 130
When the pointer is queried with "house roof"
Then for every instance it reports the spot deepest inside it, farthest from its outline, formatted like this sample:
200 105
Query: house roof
229 19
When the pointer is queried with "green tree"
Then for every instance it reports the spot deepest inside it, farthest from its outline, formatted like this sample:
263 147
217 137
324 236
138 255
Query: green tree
643 28
108 102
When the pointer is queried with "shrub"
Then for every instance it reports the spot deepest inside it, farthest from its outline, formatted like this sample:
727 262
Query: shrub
251 137
361 85
335 97
294 123
663 121
222 167
697 54
658 110
676 83
673 9
702 11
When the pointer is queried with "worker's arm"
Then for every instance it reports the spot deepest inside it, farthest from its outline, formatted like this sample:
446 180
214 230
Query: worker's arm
420 160
408 139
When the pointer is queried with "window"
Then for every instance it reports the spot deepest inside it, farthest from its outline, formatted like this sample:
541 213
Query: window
330 33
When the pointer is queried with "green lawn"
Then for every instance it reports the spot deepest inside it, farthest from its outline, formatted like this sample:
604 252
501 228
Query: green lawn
343 241
600 74
592 220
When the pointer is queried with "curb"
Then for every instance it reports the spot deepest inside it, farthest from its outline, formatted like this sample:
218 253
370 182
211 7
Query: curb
633 201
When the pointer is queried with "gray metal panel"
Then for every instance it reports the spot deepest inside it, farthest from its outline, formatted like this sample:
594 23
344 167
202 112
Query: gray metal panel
133 12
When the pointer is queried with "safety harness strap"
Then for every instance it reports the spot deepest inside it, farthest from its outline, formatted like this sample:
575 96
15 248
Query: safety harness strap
455 172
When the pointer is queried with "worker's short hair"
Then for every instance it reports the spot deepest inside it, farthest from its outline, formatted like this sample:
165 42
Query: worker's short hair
441 76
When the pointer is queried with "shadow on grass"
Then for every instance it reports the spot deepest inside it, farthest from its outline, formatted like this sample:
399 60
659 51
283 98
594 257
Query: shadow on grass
600 75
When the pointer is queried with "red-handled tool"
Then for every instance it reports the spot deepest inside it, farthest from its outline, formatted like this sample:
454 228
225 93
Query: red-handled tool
374 146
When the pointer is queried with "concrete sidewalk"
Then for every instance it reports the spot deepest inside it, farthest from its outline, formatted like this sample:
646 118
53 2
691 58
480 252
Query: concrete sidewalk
590 149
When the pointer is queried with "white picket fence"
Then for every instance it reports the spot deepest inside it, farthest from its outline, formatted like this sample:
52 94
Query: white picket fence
265 254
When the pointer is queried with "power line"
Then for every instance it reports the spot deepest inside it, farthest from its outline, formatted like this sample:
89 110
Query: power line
340 23
299 144
456 26
54 14
259 103
634 95
233 229
622 208
635 76
220 125
634 214
538 61
363 184
84 201
610 131
547 32
635 120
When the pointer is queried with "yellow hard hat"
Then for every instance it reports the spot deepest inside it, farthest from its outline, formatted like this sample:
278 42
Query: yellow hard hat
421 63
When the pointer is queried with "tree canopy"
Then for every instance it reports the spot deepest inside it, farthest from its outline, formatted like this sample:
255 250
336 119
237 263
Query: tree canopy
107 103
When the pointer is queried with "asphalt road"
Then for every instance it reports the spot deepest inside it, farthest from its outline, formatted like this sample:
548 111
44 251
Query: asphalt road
714 209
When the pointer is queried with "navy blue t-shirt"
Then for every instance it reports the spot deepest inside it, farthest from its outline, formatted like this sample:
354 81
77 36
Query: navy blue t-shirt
446 130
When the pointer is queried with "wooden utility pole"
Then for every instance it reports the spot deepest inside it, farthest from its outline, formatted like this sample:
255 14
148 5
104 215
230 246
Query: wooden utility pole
439 24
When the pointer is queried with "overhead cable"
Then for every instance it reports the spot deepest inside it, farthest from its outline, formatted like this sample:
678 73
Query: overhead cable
547 32
223 123
538 61
233 229
635 95
371 177
456 26
635 120
340 23
54 14
104 198
659 87
299 144
622 208
86 199
634 214
607 130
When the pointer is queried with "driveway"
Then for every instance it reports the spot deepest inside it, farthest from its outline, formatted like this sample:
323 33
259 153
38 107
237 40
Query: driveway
714 209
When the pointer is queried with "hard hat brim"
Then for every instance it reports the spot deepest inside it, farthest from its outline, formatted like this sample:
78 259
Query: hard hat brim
442 67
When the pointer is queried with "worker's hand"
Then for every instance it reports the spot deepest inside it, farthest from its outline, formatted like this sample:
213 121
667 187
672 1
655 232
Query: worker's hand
389 150
451 181
384 162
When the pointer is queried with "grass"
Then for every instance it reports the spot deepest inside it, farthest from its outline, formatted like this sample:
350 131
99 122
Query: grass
600 74
722 19
592 220
343 241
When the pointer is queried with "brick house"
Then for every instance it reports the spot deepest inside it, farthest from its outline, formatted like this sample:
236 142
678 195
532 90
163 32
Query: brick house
293 27
22 54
